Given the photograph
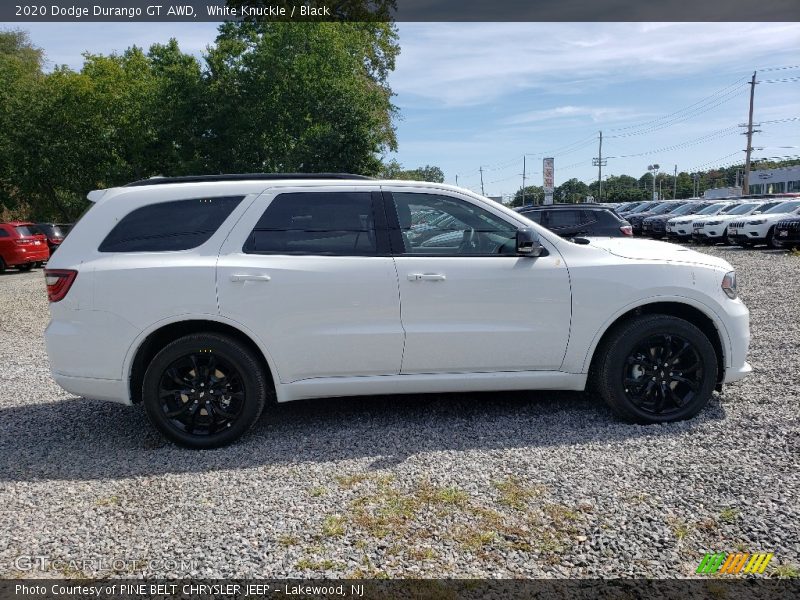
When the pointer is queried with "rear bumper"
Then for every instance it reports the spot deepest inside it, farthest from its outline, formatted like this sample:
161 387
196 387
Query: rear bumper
23 256
112 390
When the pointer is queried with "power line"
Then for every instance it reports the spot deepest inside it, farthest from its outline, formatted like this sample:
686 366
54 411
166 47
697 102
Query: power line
707 137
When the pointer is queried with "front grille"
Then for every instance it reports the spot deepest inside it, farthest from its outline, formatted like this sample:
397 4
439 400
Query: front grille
788 225
659 226
698 224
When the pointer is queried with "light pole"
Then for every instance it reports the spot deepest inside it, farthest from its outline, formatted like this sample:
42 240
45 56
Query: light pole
654 170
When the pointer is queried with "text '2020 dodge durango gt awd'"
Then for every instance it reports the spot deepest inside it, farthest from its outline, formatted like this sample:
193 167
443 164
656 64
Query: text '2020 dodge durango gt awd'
203 297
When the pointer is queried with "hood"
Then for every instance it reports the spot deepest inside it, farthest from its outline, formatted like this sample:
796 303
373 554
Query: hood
638 249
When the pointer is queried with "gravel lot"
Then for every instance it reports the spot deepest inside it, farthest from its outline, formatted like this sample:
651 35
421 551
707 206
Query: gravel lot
481 485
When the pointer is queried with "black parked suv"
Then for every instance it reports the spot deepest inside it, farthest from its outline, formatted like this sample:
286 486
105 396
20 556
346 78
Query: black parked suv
656 226
661 208
787 233
54 232
571 220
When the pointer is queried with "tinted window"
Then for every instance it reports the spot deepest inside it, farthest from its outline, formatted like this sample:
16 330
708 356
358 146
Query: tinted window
461 228
335 223
4 233
176 225
557 219
24 230
533 215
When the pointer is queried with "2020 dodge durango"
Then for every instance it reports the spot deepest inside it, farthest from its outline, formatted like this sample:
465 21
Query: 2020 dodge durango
205 297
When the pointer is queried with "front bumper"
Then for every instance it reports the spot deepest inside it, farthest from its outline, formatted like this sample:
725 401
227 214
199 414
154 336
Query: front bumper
737 373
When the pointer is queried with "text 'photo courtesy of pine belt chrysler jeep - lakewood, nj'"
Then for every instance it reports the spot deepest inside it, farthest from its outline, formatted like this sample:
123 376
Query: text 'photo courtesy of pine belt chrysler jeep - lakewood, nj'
206 298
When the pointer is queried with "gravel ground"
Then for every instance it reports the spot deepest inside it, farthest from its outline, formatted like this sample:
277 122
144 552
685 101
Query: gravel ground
479 485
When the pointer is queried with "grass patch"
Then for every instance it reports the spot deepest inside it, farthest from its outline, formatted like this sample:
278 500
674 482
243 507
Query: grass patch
350 481
680 529
107 501
785 572
728 515
309 564
287 540
515 494
316 492
333 526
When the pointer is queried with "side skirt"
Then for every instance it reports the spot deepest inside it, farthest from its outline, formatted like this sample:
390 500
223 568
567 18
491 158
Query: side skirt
330 387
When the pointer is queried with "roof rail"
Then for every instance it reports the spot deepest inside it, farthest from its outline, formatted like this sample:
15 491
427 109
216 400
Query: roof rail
159 180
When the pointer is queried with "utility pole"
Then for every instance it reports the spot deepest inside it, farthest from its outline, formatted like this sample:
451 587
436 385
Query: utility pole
749 151
675 184
599 162
481 170
456 178
523 180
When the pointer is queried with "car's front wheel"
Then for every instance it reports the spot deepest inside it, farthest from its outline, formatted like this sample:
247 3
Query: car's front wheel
25 268
656 369
204 390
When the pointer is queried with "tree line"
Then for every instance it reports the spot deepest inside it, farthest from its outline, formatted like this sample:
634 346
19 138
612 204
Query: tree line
267 97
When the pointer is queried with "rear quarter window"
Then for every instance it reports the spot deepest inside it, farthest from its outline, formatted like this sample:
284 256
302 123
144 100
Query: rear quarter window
165 226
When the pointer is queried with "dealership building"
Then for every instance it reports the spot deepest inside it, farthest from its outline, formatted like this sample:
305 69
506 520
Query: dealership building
775 181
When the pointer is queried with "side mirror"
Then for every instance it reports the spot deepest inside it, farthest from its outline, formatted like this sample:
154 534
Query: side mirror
528 245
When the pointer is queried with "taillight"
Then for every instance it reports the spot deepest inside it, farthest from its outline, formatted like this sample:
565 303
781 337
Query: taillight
23 242
626 230
58 282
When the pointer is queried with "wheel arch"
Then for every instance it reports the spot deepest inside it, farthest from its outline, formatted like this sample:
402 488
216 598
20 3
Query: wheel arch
682 310
165 333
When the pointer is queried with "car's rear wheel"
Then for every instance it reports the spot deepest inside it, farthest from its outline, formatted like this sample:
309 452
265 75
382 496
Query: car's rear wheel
204 390
26 267
656 369
2 265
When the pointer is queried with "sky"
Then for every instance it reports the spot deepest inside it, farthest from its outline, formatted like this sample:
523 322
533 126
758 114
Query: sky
475 96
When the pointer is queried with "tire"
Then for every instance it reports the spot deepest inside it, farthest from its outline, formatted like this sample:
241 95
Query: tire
25 268
227 417
770 240
630 385
2 265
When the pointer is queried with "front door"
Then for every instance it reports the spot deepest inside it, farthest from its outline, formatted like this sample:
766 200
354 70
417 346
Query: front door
468 302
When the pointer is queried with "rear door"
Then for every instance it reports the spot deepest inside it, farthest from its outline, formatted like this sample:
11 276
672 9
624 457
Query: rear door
469 303
310 272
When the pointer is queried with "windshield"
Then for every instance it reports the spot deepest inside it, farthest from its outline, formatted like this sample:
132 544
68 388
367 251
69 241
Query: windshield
784 207
714 209
24 230
742 209
643 207
664 208
683 210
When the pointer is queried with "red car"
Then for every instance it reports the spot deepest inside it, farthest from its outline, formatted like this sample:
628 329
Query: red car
20 247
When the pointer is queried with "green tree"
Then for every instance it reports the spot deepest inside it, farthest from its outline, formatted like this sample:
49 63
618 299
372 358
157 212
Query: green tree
300 97
533 194
572 190
394 170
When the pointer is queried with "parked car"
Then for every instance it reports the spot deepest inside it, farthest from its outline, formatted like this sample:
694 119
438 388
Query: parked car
634 206
715 229
787 233
656 226
584 220
21 247
680 228
306 286
761 230
661 208
53 232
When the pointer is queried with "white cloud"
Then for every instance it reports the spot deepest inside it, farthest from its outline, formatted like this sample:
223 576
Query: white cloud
595 113
475 63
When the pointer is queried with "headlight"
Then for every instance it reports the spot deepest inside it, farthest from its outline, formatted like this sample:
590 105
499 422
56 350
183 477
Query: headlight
713 222
757 222
729 285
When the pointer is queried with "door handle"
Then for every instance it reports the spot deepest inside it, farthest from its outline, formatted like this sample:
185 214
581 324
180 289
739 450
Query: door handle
242 278
426 277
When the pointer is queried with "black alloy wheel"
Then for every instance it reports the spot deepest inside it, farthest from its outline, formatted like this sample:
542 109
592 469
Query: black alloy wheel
662 374
204 390
201 394
655 368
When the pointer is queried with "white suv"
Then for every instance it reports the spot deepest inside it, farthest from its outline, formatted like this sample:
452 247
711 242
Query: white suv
760 230
203 297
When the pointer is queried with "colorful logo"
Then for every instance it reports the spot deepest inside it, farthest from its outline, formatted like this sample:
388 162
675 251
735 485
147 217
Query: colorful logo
731 564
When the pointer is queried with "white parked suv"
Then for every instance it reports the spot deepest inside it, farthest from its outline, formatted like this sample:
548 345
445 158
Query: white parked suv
714 229
760 230
204 297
